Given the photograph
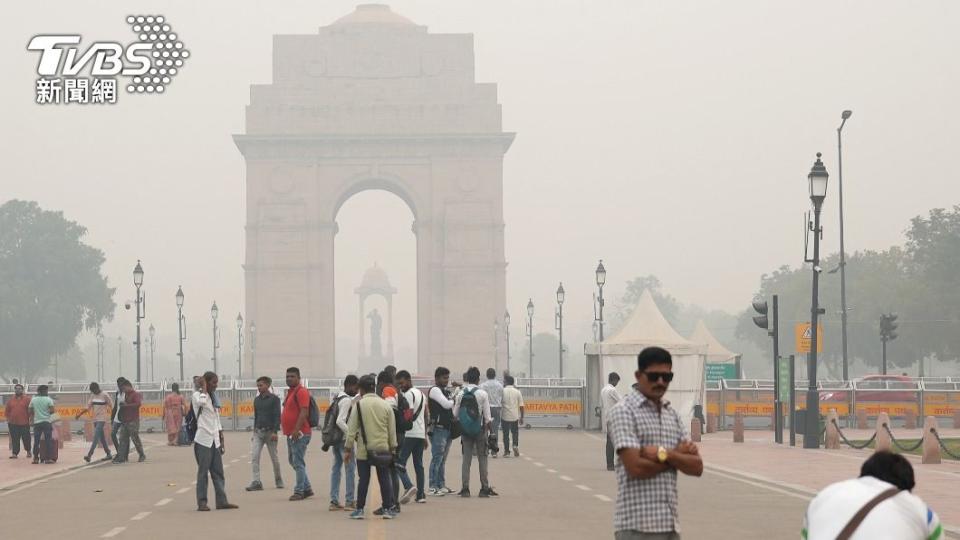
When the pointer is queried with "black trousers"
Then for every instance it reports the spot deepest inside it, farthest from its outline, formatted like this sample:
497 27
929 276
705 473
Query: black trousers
609 452
19 434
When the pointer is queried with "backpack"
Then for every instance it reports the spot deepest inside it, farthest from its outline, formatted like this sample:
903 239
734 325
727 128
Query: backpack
190 423
330 433
408 416
403 413
313 412
469 416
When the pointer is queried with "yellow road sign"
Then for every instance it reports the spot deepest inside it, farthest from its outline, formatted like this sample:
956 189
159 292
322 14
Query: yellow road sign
804 337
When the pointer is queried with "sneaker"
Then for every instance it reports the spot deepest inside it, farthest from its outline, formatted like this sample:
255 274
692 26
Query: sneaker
483 493
465 493
334 506
203 508
85 458
378 511
14 457
255 486
407 495
516 452
493 455
421 500
436 492
228 506
308 493
506 454
142 458
279 484
35 461
350 507
296 497
390 514
447 491
356 514
492 493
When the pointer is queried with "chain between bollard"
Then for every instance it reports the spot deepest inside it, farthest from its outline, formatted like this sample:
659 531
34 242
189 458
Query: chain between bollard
943 446
900 446
850 444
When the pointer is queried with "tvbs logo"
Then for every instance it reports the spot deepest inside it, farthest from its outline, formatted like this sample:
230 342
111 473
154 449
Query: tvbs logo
149 64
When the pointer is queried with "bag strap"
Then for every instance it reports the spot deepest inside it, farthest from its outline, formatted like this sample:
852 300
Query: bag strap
861 514
363 432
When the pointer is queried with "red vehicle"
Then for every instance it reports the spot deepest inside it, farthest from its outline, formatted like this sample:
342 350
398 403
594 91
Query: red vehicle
877 388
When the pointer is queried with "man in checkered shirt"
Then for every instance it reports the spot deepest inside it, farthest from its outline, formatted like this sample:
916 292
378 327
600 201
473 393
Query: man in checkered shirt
652 445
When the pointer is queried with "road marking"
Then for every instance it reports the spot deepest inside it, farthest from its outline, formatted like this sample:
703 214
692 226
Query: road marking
140 516
584 488
193 483
594 437
113 532
603 498
538 464
182 490
227 466
758 484
528 458
566 479
163 502
234 460
551 471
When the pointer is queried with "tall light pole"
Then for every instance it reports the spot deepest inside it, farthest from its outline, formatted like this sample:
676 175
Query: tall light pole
119 356
496 344
601 279
153 349
141 308
239 346
99 354
818 192
844 116
181 328
506 331
561 294
530 332
214 311
253 349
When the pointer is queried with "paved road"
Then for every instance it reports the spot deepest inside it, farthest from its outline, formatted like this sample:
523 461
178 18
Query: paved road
558 489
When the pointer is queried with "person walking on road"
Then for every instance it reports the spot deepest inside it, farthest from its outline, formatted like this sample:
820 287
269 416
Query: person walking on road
17 413
296 427
115 423
98 406
208 448
472 409
511 416
441 422
652 445
415 439
266 425
494 390
344 405
174 408
879 504
608 398
129 416
41 417
372 429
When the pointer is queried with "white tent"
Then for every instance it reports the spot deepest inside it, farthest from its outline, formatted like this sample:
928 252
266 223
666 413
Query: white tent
715 351
648 328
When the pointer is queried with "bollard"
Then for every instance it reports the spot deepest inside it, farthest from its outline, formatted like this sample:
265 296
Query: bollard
883 438
738 428
832 437
910 421
862 419
695 430
931 448
88 431
956 419
65 434
711 423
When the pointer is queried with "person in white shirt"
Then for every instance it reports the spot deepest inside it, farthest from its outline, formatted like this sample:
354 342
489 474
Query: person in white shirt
494 391
883 489
415 439
344 401
608 398
473 443
440 408
511 415
208 446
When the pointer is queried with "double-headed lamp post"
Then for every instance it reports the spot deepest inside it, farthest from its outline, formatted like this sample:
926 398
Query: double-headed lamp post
506 336
141 313
181 328
530 332
253 349
818 192
214 311
561 295
153 350
239 346
601 280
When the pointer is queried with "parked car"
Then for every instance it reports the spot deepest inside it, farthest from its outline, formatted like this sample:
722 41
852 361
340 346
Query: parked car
886 389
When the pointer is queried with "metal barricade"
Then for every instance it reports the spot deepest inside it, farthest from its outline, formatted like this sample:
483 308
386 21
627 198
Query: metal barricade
897 398
553 406
940 398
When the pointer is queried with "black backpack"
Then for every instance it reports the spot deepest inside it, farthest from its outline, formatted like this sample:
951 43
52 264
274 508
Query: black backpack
313 412
403 413
191 423
331 434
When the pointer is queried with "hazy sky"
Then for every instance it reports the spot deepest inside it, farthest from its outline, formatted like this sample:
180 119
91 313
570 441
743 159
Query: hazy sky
671 138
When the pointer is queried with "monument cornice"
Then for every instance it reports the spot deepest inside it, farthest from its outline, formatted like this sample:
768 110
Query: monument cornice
266 146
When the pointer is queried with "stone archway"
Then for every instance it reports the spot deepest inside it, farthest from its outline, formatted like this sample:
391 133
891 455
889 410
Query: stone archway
374 101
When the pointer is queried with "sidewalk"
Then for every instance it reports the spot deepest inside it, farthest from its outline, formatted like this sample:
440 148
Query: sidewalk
808 471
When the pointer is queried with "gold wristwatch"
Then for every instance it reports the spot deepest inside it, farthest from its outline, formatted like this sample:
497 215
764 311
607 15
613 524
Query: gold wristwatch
662 454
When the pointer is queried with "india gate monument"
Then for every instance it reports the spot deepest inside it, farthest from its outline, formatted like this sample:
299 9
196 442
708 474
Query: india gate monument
373 101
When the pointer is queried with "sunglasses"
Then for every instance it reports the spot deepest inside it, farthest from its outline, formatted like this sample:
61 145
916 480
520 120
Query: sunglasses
654 376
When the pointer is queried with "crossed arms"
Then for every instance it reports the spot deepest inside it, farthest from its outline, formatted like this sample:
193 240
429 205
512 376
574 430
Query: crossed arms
642 462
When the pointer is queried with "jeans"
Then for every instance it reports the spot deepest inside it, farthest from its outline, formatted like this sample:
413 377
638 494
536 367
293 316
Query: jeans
383 477
129 430
351 469
439 448
609 451
99 437
296 453
509 427
395 473
45 429
210 463
18 434
115 434
495 425
474 446
414 447
261 438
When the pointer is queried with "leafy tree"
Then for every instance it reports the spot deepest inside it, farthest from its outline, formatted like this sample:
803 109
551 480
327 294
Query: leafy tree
51 288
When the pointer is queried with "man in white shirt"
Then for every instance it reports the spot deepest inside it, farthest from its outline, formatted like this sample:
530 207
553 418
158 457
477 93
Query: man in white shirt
473 417
344 401
208 446
884 486
415 439
494 391
440 408
511 415
608 398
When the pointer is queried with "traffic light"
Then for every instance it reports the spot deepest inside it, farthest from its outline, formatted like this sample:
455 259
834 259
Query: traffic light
761 320
888 327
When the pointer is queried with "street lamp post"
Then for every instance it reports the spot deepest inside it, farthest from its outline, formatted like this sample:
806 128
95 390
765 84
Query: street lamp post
843 256
496 344
214 311
530 332
99 355
601 279
561 294
506 330
239 346
181 327
119 356
818 192
153 349
253 349
141 308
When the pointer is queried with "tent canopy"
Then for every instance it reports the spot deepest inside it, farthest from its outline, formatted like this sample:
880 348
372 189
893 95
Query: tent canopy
715 351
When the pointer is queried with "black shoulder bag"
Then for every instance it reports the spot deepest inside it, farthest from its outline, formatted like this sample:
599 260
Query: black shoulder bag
377 458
